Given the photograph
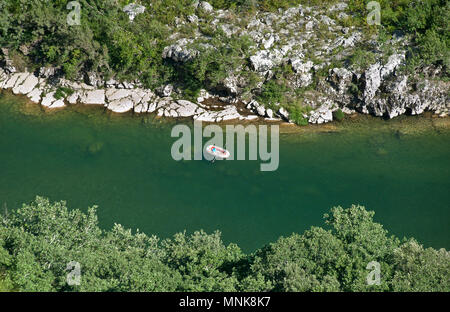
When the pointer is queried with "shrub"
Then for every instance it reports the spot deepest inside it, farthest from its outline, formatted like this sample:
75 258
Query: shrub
338 115
62 92
362 58
296 115
272 92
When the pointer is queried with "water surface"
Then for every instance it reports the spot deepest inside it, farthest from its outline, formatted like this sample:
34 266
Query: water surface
123 165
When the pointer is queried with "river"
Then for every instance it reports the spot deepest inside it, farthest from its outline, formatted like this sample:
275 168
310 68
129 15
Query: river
123 164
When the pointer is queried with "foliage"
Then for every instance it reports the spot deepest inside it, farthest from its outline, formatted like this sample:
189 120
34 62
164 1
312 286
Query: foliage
425 20
38 240
296 114
42 238
200 259
362 58
414 265
62 92
338 114
272 93
215 61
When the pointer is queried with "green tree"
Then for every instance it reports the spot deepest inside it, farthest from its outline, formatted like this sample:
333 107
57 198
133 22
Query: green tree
42 238
419 269
38 240
202 261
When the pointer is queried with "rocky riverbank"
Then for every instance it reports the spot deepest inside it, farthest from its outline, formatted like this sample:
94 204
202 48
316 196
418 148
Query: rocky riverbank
306 42
119 98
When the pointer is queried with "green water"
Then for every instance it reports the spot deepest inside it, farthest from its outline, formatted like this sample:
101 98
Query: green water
123 164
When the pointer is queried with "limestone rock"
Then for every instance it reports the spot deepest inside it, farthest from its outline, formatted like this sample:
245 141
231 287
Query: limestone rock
3 77
93 97
111 83
320 116
180 51
372 79
206 116
229 113
283 113
393 62
152 106
28 84
121 106
265 60
165 91
353 39
19 81
304 77
186 108
47 72
74 97
269 42
58 104
11 82
338 7
340 78
326 20
93 79
231 84
309 25
50 101
206 7
35 95
301 67
133 9
137 95
261 111
324 113
9 66
113 94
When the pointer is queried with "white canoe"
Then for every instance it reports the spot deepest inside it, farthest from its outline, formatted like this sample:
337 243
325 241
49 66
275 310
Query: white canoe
218 151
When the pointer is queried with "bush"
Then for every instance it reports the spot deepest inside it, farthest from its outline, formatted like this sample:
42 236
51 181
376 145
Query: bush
338 114
296 114
272 92
62 92
362 58
433 48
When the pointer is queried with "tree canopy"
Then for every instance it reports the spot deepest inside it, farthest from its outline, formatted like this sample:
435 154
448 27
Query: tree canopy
38 240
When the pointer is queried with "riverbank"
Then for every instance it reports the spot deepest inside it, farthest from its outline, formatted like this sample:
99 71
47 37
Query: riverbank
353 122
119 99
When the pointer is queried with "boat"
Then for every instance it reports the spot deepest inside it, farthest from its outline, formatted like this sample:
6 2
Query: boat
218 152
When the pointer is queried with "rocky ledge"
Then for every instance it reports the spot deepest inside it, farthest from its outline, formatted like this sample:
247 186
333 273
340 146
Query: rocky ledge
120 98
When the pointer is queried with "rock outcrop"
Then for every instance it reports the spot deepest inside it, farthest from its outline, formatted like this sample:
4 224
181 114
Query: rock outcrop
133 10
117 100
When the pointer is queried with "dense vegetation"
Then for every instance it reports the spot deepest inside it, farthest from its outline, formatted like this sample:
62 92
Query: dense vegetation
425 20
39 239
37 34
107 42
